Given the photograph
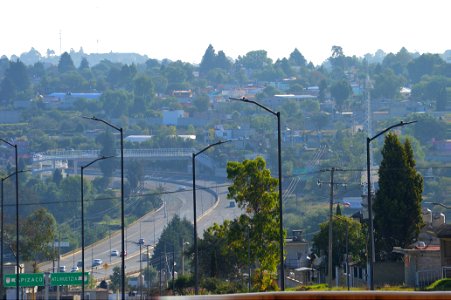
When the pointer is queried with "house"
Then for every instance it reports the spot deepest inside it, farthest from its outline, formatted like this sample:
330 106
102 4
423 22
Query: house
67 100
425 259
297 259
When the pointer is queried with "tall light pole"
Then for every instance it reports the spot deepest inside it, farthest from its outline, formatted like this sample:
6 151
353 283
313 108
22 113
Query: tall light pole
17 217
279 155
2 232
439 204
82 168
196 263
371 251
122 200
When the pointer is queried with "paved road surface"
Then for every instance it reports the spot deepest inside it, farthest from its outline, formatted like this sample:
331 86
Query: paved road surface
150 226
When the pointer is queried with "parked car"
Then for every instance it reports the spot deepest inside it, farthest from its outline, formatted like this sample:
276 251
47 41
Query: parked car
97 262
114 253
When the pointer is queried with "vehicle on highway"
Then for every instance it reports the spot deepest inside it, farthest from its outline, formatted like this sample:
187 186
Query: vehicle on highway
114 253
79 264
125 252
141 241
62 269
74 269
146 256
97 262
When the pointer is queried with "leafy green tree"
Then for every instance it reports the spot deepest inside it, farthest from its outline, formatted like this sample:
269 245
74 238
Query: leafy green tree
398 62
107 141
340 91
115 278
38 231
386 85
425 64
356 239
431 128
116 102
255 191
397 207
254 60
201 102
134 173
216 258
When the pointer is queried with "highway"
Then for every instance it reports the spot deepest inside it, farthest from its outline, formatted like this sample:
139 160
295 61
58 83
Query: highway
178 201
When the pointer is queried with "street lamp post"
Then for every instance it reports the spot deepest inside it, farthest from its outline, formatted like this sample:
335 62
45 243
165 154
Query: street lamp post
439 204
196 263
17 216
122 200
371 251
2 232
83 224
279 155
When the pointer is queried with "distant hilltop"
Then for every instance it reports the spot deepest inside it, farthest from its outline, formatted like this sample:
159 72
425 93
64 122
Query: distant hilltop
33 56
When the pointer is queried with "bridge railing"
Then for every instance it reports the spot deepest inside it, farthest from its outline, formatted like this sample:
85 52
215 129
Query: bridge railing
135 153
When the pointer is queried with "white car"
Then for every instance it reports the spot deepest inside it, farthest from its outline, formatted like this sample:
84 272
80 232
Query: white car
97 262
74 269
62 269
114 253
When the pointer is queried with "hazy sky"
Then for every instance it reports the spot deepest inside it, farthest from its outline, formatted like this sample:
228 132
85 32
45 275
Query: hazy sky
183 29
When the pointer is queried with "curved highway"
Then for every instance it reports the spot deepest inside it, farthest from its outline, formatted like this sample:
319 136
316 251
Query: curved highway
150 226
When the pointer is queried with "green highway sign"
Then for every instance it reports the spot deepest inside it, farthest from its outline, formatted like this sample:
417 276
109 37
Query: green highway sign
25 280
68 278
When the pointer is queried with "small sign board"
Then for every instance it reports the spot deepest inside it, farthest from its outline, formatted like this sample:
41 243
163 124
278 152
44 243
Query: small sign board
25 280
73 278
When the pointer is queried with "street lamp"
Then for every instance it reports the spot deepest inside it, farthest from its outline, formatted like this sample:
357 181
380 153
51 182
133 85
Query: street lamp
439 204
17 216
83 224
122 199
279 152
196 271
371 254
2 216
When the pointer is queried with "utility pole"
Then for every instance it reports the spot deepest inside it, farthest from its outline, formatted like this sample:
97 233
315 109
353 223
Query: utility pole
332 183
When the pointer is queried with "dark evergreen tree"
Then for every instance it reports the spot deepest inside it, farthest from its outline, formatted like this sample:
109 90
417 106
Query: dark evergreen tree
65 63
208 61
16 84
84 64
296 58
397 207
222 61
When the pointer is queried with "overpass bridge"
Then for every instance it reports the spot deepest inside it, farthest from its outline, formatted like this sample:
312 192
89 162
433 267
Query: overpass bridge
54 159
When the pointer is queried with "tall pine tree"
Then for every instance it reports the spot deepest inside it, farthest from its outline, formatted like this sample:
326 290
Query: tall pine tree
397 207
